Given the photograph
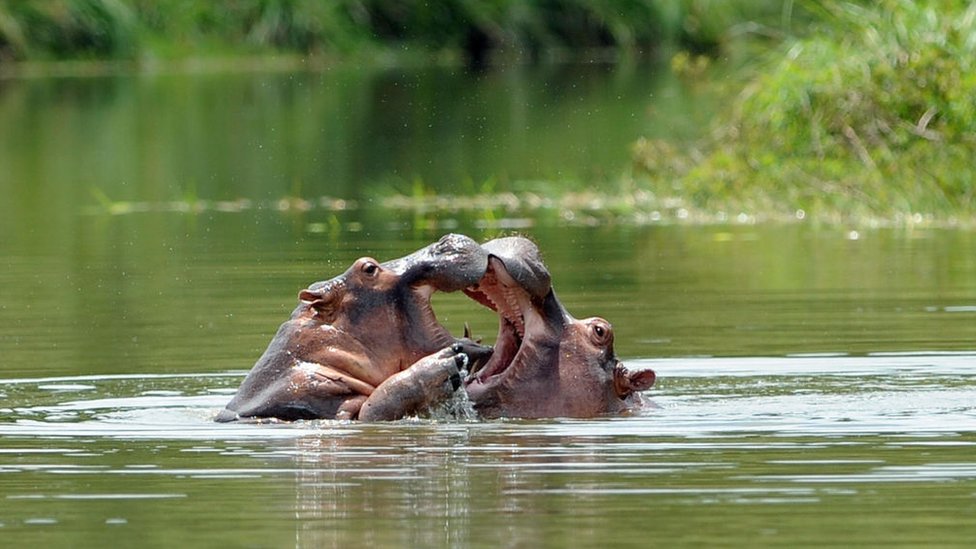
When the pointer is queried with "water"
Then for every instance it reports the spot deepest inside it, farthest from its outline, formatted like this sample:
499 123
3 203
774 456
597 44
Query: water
779 451
816 384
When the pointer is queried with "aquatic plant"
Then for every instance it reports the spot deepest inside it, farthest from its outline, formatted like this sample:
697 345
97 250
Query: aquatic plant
873 113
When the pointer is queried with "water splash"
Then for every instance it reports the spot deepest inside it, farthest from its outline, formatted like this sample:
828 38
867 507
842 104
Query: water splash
456 408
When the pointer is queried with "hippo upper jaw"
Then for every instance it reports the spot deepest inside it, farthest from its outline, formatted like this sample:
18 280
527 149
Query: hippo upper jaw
523 334
452 263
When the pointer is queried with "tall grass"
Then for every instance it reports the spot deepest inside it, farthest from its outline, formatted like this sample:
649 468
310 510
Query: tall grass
874 112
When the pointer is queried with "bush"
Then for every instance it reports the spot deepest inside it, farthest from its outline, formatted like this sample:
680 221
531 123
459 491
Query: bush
874 112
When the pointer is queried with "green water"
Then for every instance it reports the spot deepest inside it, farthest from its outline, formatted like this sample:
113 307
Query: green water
816 384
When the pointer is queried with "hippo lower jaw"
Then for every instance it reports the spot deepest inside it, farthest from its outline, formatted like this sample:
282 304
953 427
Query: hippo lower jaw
434 333
503 356
518 324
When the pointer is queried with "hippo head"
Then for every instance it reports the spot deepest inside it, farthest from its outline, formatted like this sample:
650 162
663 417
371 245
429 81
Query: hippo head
351 333
545 362
382 310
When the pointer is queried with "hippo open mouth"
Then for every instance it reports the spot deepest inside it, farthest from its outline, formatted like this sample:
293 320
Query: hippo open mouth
545 363
519 322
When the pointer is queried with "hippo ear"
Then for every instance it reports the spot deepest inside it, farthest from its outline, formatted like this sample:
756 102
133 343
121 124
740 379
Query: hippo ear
322 303
626 382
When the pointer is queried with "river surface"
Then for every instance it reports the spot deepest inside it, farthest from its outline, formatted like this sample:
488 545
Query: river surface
816 384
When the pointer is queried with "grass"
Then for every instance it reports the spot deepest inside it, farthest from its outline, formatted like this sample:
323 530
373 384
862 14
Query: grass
872 115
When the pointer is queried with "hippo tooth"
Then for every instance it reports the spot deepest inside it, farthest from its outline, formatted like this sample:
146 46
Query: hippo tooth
492 301
514 311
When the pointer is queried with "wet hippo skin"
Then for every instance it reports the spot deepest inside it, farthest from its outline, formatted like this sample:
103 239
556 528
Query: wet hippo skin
367 339
546 363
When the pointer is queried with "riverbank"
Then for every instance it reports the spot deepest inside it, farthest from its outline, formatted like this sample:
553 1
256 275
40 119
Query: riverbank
872 117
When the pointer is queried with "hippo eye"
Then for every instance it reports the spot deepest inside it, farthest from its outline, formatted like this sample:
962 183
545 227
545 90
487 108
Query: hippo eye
370 269
600 332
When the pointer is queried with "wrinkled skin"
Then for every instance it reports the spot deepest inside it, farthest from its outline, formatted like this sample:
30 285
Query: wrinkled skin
546 363
365 344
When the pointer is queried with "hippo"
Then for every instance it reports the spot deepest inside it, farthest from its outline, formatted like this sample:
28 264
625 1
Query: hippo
366 344
545 362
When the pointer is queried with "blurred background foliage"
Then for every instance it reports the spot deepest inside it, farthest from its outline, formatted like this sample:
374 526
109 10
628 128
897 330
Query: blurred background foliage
872 111
476 29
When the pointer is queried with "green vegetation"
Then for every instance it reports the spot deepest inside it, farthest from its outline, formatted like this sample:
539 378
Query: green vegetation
872 115
860 111
475 29
61 29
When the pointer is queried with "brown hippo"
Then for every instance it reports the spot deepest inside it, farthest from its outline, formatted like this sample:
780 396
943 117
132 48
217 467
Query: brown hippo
545 362
366 344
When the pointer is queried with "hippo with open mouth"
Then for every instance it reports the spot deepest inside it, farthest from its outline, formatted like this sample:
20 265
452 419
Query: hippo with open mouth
366 344
545 362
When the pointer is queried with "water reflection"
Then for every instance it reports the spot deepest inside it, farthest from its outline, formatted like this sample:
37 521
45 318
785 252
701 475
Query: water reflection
164 137
382 488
